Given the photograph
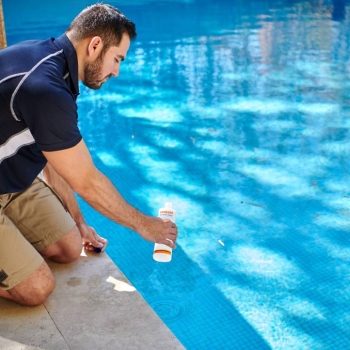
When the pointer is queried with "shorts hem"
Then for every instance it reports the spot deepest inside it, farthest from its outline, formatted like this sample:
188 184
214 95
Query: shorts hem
52 238
19 277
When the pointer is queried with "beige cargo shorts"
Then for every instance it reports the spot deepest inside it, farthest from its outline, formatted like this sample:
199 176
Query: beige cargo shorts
30 221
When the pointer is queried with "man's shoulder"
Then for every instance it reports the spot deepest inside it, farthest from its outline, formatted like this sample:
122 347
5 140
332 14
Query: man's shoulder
46 92
22 57
27 47
47 79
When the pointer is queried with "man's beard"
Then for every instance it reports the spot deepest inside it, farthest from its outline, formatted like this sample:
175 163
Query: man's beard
92 74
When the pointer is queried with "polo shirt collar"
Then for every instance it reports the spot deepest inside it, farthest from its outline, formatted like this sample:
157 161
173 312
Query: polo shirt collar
72 61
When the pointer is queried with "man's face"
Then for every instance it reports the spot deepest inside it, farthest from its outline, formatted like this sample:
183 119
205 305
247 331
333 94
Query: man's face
106 65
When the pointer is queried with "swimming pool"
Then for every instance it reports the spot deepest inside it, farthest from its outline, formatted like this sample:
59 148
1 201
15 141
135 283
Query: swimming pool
239 114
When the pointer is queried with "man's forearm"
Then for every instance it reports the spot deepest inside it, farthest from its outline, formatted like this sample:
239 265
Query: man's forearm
100 193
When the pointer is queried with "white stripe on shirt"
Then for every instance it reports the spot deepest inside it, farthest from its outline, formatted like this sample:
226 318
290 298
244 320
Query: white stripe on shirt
23 80
14 143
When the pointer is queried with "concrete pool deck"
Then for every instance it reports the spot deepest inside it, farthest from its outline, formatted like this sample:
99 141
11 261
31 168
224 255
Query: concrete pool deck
93 306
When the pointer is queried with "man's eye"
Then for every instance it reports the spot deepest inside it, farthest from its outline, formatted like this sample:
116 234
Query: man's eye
116 59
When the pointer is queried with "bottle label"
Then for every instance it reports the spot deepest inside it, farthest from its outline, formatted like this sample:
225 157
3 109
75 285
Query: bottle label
166 212
162 251
167 215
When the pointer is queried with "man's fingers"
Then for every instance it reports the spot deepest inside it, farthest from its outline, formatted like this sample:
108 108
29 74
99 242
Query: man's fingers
88 246
92 248
170 234
94 242
170 243
102 244
102 240
169 223
171 227
173 245
173 232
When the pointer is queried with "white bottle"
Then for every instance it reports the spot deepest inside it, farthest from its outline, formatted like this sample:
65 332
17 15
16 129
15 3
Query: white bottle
162 252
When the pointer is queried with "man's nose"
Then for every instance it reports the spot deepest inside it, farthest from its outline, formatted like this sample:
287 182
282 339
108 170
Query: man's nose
115 72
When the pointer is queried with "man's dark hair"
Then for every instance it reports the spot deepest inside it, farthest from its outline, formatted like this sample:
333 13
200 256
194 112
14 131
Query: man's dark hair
104 21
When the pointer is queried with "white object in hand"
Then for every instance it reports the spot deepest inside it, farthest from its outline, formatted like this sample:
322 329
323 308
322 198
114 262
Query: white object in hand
162 252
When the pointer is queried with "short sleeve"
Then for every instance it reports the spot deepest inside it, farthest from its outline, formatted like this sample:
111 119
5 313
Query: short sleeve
50 112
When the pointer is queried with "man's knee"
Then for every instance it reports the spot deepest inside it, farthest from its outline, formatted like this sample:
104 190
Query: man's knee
69 254
39 295
35 289
67 249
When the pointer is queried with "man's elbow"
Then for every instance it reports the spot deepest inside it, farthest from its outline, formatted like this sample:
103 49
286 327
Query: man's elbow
84 184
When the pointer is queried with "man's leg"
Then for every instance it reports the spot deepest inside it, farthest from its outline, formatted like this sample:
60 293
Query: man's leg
25 278
34 290
43 220
41 224
65 250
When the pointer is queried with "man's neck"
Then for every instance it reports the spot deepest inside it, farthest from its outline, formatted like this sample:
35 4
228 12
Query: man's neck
80 48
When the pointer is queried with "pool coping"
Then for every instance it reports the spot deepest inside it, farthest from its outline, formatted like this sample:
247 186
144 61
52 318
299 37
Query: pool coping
93 306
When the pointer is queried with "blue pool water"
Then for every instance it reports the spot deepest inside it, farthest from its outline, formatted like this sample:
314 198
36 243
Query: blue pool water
238 112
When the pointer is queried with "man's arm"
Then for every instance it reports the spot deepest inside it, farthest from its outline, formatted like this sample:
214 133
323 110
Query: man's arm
77 169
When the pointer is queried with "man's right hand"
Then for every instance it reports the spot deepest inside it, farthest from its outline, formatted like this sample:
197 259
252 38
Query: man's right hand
158 230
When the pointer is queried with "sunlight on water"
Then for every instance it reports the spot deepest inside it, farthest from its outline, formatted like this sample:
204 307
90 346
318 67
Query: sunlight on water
154 113
255 261
318 108
266 107
209 132
332 221
164 141
275 125
255 106
338 203
302 308
104 98
281 181
216 147
235 76
238 203
253 155
339 185
335 251
109 160
313 69
204 112
336 148
269 317
163 169
310 166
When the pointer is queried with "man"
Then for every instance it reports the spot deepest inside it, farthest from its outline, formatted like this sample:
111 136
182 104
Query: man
39 217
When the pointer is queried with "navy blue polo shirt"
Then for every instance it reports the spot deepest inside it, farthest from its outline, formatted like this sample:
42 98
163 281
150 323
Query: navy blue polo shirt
38 110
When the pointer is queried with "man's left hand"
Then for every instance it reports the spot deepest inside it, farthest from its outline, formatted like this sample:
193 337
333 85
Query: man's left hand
91 240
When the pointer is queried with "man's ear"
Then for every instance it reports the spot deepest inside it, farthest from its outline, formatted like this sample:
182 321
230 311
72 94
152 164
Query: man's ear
94 47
